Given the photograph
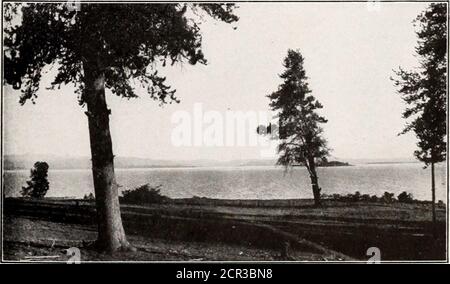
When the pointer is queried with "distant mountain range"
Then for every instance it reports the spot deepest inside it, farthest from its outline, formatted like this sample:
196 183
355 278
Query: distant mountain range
11 162
383 161
15 162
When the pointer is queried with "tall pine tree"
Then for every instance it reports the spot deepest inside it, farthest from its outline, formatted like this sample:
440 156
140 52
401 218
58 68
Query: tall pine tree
301 140
424 90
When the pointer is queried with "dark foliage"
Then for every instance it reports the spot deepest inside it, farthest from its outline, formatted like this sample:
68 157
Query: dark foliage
143 195
89 196
387 197
38 184
424 89
126 42
405 197
300 134
299 121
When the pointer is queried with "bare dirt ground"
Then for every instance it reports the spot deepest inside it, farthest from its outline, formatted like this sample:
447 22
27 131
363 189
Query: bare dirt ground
223 230
31 239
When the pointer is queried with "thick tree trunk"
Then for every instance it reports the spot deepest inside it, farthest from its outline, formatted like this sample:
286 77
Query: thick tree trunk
433 199
314 182
111 235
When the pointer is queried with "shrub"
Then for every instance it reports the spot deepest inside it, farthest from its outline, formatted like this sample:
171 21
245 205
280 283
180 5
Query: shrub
336 196
38 184
366 198
144 194
89 196
356 197
388 197
374 198
405 197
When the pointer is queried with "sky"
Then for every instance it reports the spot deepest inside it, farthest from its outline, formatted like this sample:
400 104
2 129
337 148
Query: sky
350 51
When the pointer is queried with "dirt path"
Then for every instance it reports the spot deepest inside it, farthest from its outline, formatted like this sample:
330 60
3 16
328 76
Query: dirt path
31 239
400 231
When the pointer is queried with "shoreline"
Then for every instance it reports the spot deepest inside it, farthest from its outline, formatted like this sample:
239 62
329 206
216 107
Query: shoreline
274 166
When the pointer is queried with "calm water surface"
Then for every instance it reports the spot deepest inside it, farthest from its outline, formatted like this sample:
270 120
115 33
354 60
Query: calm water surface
259 182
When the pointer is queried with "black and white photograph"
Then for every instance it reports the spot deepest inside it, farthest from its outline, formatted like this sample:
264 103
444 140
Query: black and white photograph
224 132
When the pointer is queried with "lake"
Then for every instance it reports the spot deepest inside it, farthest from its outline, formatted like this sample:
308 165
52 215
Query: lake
258 182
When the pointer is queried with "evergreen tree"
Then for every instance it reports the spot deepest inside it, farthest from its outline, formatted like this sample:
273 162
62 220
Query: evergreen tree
301 140
38 184
424 90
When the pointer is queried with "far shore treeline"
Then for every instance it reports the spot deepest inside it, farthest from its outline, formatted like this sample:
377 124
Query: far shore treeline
23 162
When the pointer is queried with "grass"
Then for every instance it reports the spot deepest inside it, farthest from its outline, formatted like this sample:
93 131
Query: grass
401 231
